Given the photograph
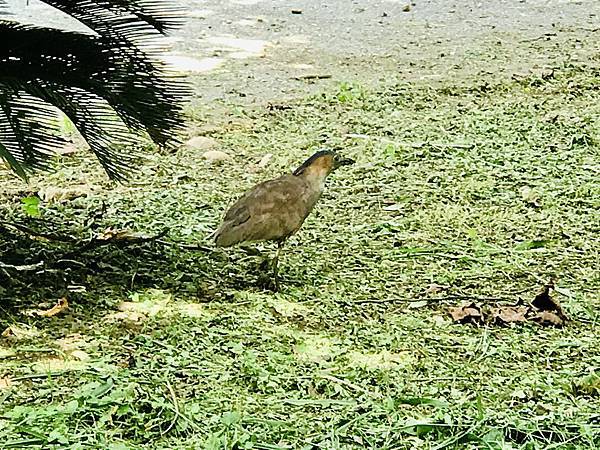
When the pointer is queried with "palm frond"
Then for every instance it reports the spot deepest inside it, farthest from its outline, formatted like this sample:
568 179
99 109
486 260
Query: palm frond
115 19
29 129
106 134
12 162
104 84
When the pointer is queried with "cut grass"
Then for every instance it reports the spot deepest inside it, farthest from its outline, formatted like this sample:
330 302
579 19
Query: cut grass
484 190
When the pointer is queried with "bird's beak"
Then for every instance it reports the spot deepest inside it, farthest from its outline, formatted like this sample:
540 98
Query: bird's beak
343 162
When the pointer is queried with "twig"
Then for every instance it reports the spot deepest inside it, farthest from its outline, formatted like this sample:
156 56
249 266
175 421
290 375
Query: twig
121 240
543 36
29 231
312 77
183 246
348 384
42 375
22 268
175 406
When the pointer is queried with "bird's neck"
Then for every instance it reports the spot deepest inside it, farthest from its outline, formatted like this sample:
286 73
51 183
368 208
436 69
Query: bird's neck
316 175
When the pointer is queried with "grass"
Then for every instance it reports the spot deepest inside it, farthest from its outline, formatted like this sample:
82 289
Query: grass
463 190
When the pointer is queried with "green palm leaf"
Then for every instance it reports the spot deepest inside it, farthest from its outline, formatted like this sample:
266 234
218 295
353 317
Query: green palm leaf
108 85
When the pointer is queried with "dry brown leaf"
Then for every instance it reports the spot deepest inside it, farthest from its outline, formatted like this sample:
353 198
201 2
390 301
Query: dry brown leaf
544 302
20 331
51 194
112 234
548 318
5 383
509 314
214 156
60 306
467 313
435 288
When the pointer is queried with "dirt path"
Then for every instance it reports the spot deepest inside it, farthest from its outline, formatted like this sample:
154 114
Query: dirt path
272 49
259 50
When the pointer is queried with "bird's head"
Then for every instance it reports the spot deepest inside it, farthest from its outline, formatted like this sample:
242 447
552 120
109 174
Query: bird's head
322 163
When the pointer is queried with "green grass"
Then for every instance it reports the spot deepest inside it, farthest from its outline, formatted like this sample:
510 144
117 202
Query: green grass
486 189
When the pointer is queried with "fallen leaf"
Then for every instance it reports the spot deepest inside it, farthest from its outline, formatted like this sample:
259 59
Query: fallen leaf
112 234
435 288
51 194
60 306
530 196
80 355
509 314
5 383
548 318
544 302
215 156
201 143
19 332
468 313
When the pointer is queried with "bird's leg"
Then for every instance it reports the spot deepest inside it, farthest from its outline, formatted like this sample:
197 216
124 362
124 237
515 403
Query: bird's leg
276 264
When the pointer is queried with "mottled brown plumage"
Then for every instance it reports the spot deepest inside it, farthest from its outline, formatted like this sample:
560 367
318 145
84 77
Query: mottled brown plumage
276 209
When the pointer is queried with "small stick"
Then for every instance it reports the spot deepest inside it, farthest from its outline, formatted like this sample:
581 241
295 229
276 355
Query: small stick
347 383
312 77
183 246
29 231
175 405
22 268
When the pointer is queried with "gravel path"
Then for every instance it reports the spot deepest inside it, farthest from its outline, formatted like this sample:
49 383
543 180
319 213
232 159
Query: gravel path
259 50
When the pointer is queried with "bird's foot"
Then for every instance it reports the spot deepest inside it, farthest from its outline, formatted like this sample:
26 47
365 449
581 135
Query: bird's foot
268 283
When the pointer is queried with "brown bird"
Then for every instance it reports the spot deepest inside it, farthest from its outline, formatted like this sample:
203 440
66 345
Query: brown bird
275 209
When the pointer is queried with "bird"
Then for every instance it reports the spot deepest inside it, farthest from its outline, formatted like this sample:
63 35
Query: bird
275 209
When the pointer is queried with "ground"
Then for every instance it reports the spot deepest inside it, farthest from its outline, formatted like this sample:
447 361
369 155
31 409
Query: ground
477 180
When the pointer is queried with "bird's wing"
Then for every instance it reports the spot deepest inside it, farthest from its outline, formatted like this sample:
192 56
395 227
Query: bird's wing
268 211
238 213
255 200
271 195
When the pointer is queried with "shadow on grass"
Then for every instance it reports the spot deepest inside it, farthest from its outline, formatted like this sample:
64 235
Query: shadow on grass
43 270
